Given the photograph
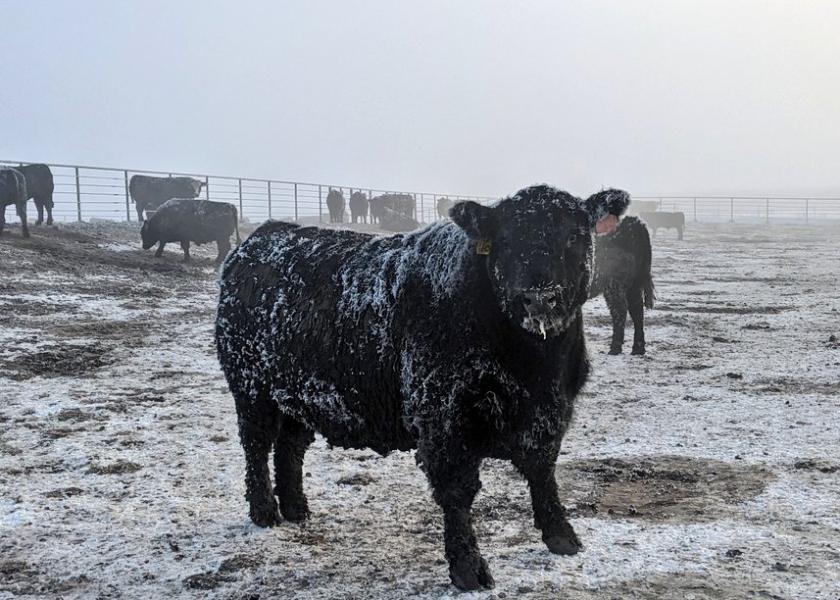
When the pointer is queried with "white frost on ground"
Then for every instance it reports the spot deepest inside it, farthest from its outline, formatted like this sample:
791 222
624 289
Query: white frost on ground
125 481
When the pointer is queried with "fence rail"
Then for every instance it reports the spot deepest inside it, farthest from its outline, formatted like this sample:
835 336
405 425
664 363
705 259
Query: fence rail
85 192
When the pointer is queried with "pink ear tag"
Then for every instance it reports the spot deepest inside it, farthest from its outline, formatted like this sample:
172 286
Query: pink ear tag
483 247
606 225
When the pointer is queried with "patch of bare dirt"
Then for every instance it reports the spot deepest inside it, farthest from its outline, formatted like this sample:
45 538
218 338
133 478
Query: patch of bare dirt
56 360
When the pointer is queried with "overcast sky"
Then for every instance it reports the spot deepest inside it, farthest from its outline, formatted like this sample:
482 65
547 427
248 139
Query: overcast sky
478 97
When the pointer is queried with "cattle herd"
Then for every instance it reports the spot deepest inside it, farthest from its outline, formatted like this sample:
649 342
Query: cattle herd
462 340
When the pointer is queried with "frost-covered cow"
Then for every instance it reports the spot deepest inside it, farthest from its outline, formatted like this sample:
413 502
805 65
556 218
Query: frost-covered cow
148 193
13 193
463 340
359 207
403 204
623 276
39 187
335 205
187 220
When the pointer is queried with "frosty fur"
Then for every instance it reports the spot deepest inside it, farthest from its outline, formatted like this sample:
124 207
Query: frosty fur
622 275
358 207
415 341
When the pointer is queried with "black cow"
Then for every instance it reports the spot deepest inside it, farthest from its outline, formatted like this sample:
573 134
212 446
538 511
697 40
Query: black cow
397 222
335 204
187 220
13 193
443 206
665 220
622 275
40 187
359 207
148 193
403 204
463 340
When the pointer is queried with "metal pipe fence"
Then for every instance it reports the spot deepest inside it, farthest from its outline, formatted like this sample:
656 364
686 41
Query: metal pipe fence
85 192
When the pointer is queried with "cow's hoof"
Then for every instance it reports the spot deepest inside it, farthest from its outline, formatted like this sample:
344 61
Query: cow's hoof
638 351
294 511
265 515
563 545
471 573
614 351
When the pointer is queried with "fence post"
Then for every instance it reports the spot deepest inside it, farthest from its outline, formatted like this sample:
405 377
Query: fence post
732 210
320 205
422 212
127 206
695 210
767 210
660 204
269 199
240 199
806 211
207 187
296 204
78 197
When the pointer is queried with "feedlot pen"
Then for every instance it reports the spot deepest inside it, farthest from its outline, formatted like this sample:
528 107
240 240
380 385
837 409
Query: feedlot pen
708 469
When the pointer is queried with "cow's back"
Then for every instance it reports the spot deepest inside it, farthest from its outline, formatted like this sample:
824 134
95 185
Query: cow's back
39 180
199 221
309 312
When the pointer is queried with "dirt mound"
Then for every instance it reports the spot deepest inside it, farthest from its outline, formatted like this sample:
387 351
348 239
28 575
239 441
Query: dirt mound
660 487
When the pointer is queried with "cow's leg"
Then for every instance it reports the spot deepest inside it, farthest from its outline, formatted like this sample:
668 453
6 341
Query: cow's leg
159 252
679 233
49 205
258 423
2 217
223 245
615 295
636 305
185 246
21 212
39 206
455 482
139 208
549 513
289 448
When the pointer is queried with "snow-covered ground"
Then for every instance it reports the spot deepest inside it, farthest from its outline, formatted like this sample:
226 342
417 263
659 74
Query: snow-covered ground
707 469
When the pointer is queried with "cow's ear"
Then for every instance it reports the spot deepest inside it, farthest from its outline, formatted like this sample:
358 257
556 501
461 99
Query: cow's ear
478 221
605 204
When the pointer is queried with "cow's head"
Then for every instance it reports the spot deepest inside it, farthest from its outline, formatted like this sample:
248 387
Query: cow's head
149 234
538 247
196 185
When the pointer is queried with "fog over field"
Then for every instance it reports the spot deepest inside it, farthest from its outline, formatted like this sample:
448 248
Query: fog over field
462 97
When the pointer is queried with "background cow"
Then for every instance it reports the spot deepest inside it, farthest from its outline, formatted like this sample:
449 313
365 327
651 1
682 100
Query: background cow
151 192
463 340
665 220
335 205
186 220
13 193
397 222
443 206
404 204
40 187
359 207
623 275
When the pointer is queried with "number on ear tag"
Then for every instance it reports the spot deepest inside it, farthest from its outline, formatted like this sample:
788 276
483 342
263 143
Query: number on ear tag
483 247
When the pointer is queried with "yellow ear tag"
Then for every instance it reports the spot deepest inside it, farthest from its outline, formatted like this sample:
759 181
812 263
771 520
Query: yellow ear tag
483 247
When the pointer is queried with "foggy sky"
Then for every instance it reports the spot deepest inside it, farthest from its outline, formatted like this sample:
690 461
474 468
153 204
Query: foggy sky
470 97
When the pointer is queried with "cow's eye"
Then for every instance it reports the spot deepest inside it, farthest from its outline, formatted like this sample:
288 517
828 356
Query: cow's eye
572 239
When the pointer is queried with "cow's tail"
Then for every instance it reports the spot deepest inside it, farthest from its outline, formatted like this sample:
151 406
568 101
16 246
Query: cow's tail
647 262
236 225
